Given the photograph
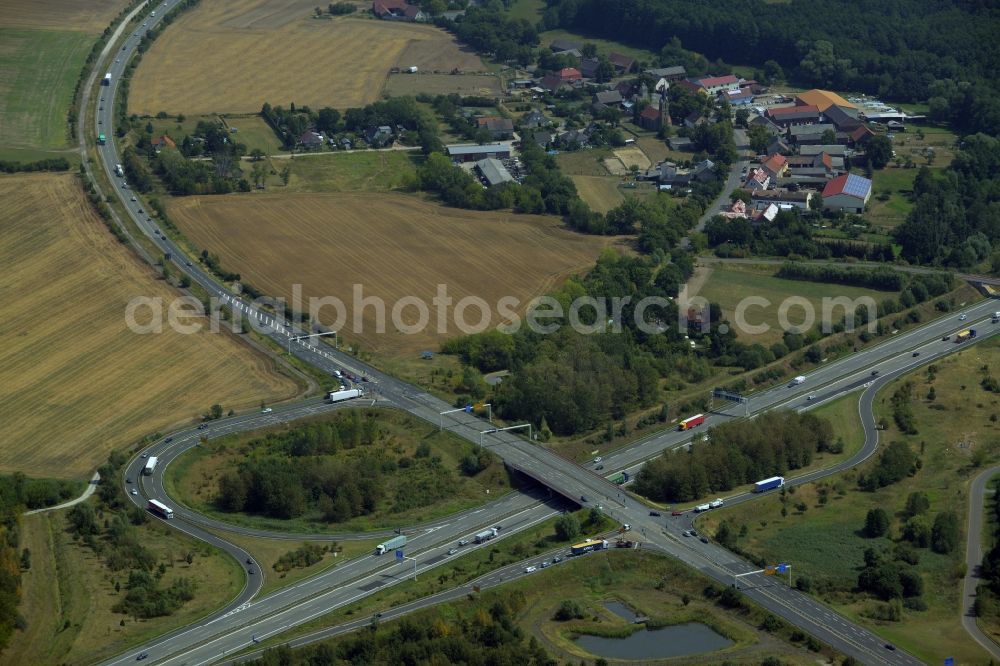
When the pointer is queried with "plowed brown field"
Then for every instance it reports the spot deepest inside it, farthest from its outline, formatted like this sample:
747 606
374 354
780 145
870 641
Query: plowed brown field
393 245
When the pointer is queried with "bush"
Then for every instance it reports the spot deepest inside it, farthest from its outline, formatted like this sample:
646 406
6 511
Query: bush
945 533
567 527
568 610
876 523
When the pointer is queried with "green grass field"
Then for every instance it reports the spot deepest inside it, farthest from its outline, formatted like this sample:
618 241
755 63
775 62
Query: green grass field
604 46
825 543
529 10
898 183
730 284
583 162
358 171
38 70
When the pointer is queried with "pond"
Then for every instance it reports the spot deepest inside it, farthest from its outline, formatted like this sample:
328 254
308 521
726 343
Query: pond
675 641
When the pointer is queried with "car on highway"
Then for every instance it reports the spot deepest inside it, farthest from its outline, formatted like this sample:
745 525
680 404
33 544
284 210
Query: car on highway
598 459
128 480
693 533
916 354
655 513
133 197
202 426
250 570
545 564
556 559
963 317
453 551
188 263
583 498
686 533
676 513
704 540
530 569
945 338
144 455
135 492
266 410
890 646
463 542
141 656
810 398
599 468
874 373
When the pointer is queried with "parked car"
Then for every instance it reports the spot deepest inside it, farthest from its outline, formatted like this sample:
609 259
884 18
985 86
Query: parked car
655 513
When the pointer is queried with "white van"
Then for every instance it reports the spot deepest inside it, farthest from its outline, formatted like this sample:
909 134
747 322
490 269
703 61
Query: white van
530 569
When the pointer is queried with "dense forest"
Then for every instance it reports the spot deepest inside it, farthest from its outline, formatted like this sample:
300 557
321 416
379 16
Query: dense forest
737 453
955 219
293 473
944 52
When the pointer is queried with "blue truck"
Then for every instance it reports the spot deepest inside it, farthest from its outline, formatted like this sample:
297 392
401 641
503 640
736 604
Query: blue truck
769 484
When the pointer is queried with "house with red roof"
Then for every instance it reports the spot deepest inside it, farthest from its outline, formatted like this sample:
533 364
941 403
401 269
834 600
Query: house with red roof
847 193
397 10
787 116
650 118
713 85
775 165
567 74
163 142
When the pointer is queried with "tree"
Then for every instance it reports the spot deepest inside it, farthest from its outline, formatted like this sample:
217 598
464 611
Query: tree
945 532
876 523
567 527
568 610
879 151
828 137
917 503
215 412
286 174
589 50
759 137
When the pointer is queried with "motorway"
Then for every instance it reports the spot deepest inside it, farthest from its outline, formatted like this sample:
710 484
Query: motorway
277 612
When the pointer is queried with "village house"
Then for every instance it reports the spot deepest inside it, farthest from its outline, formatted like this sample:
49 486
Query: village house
623 63
788 116
713 85
781 198
162 142
809 134
774 165
499 128
534 119
397 10
311 140
848 193
671 74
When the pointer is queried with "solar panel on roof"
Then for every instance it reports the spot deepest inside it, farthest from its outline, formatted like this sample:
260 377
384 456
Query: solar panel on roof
856 186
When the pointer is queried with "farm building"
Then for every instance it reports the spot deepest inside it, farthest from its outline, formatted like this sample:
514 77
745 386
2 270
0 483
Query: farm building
775 165
671 74
493 171
499 128
397 10
782 198
822 100
713 85
622 63
471 152
848 193
563 45
793 115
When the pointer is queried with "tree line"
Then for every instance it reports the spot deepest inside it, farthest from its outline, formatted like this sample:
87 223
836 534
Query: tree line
737 453
945 53
50 164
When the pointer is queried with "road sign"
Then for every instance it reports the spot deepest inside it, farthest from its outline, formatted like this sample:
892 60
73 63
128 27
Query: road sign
949 661
728 395
782 567
399 555
468 409
769 571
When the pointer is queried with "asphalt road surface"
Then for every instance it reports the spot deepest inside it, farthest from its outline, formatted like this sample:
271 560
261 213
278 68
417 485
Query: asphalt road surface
973 559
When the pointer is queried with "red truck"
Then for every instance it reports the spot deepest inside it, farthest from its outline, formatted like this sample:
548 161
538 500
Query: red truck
691 422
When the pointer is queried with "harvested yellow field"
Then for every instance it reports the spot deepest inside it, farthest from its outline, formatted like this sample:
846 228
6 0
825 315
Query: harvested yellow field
393 246
234 55
91 16
632 156
599 192
77 382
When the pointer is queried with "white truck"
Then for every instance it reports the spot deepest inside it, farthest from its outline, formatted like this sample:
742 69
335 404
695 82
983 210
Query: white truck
486 535
995 318
119 171
702 507
715 504
150 466
343 394
801 379
392 544
107 79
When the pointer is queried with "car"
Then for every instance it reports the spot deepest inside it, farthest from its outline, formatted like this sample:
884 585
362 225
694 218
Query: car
583 498
118 59
599 467
144 455
945 338
916 354
168 440
810 397
598 459
128 480
133 197
963 317
250 570
141 656
556 559
655 513
890 646
686 533
188 263
498 527
99 121
676 513
704 540
874 373
545 564
266 410
530 569
100 108
135 492
202 426
693 533
463 542
249 560
102 99
453 551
